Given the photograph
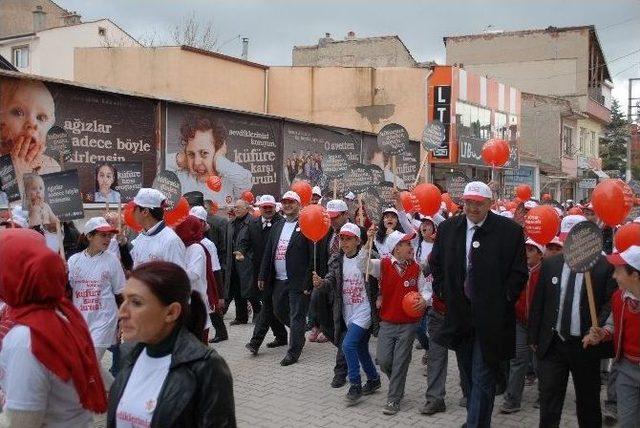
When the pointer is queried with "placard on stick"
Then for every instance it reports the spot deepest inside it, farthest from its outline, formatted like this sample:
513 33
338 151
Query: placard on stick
433 135
334 164
168 183
377 174
455 185
582 249
373 205
129 179
358 178
8 181
62 193
58 144
393 139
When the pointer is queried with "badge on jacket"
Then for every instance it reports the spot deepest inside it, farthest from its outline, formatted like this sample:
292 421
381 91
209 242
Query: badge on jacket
554 280
476 244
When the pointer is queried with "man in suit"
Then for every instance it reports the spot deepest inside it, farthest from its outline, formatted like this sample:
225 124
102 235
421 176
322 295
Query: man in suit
239 282
558 320
253 243
217 232
286 270
479 267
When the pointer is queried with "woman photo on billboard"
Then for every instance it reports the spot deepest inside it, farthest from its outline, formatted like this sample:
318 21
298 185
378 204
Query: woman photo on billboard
106 182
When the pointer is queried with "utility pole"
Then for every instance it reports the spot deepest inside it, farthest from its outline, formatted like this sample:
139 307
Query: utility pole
632 117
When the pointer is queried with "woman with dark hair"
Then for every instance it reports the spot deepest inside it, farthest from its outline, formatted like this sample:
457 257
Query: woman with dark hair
170 379
50 372
392 219
106 182
424 240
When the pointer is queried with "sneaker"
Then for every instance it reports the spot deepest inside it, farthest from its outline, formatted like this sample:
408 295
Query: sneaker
433 406
610 413
462 402
530 380
508 408
354 394
371 386
338 381
321 338
313 336
391 408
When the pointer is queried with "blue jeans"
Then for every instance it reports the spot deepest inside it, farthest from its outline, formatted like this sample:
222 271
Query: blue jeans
355 346
482 385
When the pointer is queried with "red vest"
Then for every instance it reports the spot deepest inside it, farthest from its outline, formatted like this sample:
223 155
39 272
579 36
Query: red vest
393 288
523 305
626 334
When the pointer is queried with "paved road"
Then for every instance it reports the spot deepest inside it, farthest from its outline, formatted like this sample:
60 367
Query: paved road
268 395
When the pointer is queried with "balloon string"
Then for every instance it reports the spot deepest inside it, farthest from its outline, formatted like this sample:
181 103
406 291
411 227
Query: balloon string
314 256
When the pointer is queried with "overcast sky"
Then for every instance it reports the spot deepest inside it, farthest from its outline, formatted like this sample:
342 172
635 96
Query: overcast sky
275 26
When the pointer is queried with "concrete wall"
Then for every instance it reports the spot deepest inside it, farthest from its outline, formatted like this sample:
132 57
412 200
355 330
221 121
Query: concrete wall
16 16
172 72
545 63
51 52
356 52
361 98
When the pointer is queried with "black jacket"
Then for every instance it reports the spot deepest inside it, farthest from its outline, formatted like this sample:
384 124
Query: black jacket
217 233
499 274
253 241
243 268
546 302
299 259
198 390
333 285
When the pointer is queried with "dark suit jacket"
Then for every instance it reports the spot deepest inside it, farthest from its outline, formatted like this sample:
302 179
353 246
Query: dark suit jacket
253 241
299 259
217 233
243 268
546 302
499 274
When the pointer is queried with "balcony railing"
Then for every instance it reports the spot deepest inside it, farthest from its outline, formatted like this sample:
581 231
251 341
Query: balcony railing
595 93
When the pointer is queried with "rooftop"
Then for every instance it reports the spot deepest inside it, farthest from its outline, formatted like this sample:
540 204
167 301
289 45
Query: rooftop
500 33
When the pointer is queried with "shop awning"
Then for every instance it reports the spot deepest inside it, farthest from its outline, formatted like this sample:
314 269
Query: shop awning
600 173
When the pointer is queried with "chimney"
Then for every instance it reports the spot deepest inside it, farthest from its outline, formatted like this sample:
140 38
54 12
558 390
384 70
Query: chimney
350 35
245 48
325 40
71 18
39 17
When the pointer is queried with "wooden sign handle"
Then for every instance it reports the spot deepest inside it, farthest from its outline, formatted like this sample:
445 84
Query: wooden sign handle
119 216
360 213
369 248
60 239
394 169
335 188
592 302
424 162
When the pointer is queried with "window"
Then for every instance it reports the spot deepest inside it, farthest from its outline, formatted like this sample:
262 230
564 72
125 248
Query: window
594 144
567 144
102 31
500 123
20 56
583 140
473 121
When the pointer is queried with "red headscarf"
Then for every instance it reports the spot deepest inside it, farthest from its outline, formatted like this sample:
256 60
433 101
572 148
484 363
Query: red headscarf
33 286
191 230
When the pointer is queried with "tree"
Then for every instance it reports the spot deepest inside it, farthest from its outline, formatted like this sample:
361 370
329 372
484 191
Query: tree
613 146
192 32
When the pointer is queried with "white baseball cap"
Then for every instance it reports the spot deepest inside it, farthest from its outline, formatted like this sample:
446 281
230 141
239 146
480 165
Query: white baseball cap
477 191
149 198
266 200
350 229
278 206
316 191
199 213
507 214
567 224
630 256
291 195
350 196
530 204
390 210
556 241
335 207
533 243
98 224
395 237
637 220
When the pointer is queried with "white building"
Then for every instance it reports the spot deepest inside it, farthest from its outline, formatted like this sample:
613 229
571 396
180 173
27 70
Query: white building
50 52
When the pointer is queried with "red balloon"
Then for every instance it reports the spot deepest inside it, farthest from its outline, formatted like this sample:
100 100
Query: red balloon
511 205
429 198
409 303
451 206
575 211
214 183
547 197
213 209
495 152
628 194
303 189
626 236
179 212
542 223
523 192
314 222
409 202
129 219
248 197
255 213
610 203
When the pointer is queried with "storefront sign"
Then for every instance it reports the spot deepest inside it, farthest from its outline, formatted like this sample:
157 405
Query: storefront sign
442 113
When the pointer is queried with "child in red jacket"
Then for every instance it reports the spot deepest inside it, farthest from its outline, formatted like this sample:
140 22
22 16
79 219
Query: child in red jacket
623 327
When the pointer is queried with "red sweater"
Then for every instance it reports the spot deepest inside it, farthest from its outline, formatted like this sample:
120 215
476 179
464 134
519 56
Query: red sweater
523 305
393 287
626 322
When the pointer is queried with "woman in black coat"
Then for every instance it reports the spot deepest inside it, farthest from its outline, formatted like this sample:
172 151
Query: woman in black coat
170 379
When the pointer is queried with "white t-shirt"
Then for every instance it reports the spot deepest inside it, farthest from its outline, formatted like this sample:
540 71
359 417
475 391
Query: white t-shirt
355 302
165 245
425 250
140 396
114 247
281 250
196 268
213 252
95 281
27 385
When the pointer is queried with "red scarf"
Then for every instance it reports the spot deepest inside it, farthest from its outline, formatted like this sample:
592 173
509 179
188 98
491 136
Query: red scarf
190 231
32 284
